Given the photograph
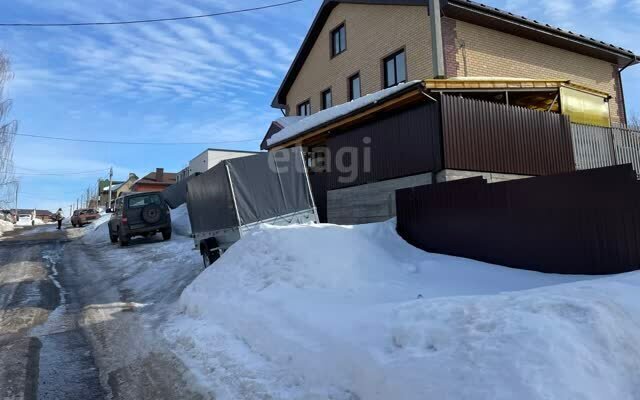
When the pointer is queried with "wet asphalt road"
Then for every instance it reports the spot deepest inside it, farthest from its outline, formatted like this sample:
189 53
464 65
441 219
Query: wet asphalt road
43 351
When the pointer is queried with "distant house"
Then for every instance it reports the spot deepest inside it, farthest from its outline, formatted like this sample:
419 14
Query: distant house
155 181
103 195
124 187
209 159
44 215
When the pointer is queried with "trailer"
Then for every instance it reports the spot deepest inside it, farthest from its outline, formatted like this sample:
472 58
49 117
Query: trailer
236 196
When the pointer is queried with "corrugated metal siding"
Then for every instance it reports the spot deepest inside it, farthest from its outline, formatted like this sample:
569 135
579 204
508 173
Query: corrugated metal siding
404 143
627 146
592 146
596 146
484 136
585 222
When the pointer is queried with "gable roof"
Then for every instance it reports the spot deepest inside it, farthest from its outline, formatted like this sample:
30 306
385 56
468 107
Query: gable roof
472 12
278 125
168 178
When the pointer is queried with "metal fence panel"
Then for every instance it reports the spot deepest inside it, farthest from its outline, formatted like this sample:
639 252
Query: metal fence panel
593 146
627 146
586 222
596 146
485 136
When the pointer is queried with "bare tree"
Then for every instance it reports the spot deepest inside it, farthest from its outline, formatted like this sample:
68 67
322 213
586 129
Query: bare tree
634 121
8 129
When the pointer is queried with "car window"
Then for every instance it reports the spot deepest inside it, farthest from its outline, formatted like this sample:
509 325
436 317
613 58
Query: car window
141 201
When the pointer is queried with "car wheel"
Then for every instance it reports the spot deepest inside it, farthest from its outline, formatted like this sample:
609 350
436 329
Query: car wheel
166 234
74 225
124 240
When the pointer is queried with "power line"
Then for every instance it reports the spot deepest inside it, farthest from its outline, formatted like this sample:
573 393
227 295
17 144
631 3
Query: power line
57 174
143 21
31 170
134 143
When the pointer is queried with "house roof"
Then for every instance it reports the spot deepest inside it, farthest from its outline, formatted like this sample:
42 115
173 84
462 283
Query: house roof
476 13
30 210
325 117
169 178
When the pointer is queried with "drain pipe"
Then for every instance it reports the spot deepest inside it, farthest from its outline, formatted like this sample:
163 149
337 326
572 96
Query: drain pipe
624 106
437 49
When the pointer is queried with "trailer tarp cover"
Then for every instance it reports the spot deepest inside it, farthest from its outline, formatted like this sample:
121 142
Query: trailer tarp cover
264 186
176 194
209 201
269 185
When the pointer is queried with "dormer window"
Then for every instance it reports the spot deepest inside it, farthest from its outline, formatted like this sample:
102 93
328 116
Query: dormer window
338 40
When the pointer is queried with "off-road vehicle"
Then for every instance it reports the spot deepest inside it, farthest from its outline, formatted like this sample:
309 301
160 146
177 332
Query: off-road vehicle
139 214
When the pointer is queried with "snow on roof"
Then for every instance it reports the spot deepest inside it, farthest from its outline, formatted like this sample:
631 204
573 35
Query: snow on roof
333 113
287 121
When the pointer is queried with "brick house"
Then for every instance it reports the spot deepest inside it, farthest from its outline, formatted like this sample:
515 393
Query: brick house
350 43
155 181
429 97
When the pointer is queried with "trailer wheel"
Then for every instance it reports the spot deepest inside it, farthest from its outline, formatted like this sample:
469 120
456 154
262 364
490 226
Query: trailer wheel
209 251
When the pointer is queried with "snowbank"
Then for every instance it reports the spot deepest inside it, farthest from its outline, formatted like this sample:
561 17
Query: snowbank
5 226
98 231
180 221
36 221
323 311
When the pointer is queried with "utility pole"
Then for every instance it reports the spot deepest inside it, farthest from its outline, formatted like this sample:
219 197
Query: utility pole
70 209
110 184
88 197
17 190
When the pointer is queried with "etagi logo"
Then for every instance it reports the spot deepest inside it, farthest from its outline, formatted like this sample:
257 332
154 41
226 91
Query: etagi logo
348 162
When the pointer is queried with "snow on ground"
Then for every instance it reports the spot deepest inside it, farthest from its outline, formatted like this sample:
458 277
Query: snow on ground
5 226
154 269
329 312
180 221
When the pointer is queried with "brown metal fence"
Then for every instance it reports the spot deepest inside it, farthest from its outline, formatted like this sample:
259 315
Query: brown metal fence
485 136
586 222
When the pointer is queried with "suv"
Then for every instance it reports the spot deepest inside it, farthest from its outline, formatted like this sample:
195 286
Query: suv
139 214
83 217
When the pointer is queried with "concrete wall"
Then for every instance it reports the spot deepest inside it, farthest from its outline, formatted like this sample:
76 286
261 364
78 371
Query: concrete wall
447 175
373 202
373 33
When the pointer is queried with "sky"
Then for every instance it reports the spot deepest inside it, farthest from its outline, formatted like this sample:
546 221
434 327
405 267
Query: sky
205 80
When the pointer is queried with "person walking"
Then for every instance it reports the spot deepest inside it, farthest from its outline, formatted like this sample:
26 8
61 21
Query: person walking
59 217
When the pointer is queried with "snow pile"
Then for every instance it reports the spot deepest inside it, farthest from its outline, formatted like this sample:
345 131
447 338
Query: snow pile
97 231
323 311
330 114
35 221
5 226
180 223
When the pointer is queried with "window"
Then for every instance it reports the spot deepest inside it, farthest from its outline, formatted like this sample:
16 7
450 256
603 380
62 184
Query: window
338 40
327 99
354 87
141 201
304 109
395 69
